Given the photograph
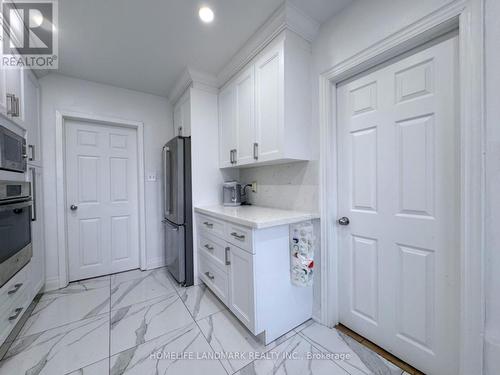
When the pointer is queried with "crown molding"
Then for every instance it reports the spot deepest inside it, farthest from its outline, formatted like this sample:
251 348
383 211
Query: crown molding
287 16
192 78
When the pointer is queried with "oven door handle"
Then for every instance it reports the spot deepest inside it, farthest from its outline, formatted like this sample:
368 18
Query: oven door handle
14 206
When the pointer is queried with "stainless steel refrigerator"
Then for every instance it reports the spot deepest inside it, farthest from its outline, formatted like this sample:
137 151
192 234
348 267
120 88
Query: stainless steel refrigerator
178 217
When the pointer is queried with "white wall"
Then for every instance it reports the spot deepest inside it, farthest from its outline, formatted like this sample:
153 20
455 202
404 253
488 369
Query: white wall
492 261
64 93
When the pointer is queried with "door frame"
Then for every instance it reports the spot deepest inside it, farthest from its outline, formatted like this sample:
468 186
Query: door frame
466 16
62 244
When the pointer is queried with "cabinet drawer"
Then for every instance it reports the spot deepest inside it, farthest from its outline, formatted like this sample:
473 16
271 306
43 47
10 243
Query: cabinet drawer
12 289
213 276
213 247
209 225
239 236
11 315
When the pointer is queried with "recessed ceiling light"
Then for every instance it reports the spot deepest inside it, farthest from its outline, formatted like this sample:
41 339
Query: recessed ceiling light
206 14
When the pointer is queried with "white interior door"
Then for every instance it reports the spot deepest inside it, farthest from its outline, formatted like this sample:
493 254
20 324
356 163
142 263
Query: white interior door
398 186
101 199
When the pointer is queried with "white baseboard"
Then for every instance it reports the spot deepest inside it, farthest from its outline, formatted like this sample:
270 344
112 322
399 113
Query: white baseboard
51 284
491 355
156 263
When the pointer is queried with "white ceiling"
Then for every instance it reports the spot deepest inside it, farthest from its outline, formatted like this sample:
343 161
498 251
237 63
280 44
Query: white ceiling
145 45
321 10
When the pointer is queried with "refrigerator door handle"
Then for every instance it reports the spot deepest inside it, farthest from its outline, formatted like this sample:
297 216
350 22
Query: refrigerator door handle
172 226
167 179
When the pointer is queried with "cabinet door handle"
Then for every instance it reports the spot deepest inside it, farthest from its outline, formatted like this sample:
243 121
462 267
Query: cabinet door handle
10 104
16 107
32 152
228 262
231 157
238 236
17 312
208 247
211 277
209 225
33 194
256 151
16 288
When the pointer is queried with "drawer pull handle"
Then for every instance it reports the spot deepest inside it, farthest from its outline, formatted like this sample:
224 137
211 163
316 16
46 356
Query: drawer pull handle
16 288
17 312
211 277
207 246
228 262
238 236
210 225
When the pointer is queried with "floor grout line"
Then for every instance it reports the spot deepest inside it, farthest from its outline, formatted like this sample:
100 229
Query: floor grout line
201 331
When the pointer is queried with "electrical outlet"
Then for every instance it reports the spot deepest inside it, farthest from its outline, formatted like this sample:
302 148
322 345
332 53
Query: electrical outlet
254 186
151 176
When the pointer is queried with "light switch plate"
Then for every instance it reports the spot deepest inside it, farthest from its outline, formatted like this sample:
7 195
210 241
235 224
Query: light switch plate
151 176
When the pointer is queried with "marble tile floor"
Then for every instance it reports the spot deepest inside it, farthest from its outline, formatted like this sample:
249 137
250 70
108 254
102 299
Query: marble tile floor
142 322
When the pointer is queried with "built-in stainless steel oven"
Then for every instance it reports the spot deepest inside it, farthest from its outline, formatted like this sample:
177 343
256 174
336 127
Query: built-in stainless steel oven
12 151
15 227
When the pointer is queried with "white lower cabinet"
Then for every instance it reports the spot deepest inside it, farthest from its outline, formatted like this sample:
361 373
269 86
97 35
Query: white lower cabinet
17 294
15 297
249 271
241 291
214 277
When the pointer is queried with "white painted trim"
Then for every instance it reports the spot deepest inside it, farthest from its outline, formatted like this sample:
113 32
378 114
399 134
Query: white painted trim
468 17
61 116
192 78
156 263
287 16
51 284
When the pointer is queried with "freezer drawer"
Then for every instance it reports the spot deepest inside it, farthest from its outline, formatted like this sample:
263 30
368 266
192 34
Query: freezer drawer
175 250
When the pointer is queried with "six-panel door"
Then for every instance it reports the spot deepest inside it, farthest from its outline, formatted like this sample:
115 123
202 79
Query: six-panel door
398 185
101 199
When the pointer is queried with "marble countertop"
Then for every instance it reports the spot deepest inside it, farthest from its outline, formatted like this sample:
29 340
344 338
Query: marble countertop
255 216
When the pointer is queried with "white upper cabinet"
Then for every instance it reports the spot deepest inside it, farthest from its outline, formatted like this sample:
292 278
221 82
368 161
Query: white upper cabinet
14 95
227 128
269 87
3 98
272 106
32 118
245 115
182 116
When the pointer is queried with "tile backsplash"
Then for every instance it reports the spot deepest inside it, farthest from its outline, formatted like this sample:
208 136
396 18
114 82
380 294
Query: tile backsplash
293 186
